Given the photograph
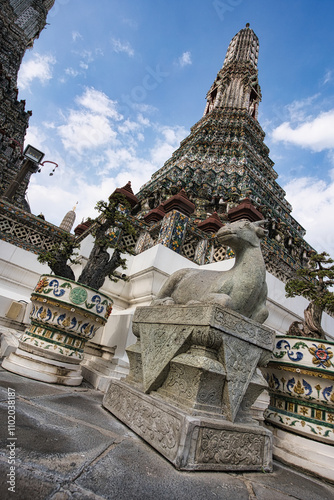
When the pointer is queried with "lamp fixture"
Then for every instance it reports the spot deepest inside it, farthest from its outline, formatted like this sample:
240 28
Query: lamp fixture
33 154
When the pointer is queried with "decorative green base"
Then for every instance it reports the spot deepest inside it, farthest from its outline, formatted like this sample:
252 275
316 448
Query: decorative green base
300 376
64 316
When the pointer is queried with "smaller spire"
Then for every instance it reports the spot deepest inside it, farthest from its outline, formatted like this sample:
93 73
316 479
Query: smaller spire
245 210
155 215
243 48
68 221
81 228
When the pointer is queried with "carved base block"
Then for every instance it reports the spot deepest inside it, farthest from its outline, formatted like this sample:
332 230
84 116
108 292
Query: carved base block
195 383
135 375
190 442
202 358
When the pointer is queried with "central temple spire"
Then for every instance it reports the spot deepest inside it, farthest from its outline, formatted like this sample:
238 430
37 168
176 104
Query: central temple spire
236 85
243 48
224 163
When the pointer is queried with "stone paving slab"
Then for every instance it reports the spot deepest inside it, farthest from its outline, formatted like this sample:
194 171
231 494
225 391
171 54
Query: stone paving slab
69 448
284 480
25 387
29 485
87 407
136 471
51 443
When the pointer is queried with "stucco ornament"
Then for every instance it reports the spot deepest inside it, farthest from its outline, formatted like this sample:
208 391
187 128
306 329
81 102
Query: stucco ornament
242 288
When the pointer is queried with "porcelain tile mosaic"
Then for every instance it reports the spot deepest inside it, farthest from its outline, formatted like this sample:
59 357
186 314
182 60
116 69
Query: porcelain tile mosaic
65 315
300 376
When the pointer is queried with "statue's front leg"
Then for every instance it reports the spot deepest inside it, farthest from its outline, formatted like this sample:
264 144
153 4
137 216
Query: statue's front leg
166 301
164 296
222 299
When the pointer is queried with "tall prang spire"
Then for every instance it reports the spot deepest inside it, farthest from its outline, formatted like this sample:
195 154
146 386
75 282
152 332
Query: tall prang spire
224 160
236 85
243 48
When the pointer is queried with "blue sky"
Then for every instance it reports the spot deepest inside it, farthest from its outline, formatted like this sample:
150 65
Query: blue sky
114 87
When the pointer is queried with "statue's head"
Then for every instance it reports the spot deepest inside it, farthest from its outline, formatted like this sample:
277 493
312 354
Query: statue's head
242 233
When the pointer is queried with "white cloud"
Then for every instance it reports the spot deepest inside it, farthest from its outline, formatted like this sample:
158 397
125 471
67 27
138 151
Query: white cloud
144 108
37 67
76 36
55 202
71 72
119 46
86 130
36 137
316 134
313 202
98 102
328 77
185 59
143 120
130 165
97 150
92 125
298 109
86 55
129 126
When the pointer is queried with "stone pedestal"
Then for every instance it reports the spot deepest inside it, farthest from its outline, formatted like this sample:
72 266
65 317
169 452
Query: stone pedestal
190 442
193 378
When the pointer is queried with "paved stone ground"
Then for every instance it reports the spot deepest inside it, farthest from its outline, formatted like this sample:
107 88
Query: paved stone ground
69 447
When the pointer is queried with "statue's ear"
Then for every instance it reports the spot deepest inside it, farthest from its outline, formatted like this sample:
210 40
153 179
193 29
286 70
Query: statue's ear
260 230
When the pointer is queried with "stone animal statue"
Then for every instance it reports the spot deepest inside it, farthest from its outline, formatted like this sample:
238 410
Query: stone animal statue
242 288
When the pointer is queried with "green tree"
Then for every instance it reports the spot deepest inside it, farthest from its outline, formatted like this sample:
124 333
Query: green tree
314 283
58 256
114 216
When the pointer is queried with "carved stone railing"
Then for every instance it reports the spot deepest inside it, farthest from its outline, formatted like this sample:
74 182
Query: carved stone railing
25 230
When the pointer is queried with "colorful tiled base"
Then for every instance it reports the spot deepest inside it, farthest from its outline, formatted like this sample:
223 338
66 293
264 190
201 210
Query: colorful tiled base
64 316
300 376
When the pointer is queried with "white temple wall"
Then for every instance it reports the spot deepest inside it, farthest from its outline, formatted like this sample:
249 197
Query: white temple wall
20 270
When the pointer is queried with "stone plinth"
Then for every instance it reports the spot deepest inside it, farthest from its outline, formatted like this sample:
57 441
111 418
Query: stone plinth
190 442
193 378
